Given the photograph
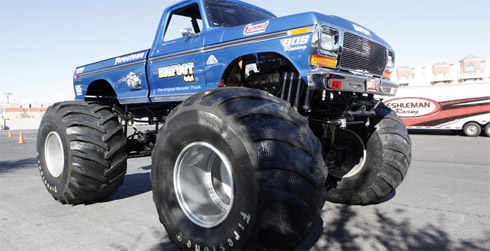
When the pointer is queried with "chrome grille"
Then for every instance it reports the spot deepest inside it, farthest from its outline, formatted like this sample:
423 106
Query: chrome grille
359 53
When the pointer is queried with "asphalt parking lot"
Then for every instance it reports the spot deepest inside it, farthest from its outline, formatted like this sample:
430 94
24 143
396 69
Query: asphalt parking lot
443 204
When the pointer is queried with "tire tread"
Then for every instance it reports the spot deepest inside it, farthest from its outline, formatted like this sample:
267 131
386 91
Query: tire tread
97 150
396 158
289 168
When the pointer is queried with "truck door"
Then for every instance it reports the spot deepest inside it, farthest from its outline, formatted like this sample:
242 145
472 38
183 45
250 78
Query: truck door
176 68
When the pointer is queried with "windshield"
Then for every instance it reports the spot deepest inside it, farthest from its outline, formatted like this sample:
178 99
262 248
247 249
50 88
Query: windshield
228 14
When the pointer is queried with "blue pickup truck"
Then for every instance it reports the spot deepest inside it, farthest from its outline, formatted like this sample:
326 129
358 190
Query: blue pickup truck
252 121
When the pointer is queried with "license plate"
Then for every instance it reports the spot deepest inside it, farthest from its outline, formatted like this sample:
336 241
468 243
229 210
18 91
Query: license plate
372 85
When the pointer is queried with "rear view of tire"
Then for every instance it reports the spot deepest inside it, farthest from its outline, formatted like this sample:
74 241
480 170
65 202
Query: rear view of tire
487 129
366 164
472 129
81 152
236 168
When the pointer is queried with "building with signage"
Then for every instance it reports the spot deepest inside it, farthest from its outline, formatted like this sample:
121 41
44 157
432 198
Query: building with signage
471 69
16 111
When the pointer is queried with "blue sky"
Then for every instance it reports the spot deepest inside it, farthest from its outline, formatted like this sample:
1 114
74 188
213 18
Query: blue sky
42 41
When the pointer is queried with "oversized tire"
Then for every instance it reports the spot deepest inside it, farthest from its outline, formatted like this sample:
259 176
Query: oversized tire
367 163
472 129
236 168
81 151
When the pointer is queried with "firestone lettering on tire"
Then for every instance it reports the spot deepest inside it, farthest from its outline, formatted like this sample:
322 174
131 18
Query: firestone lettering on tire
229 240
179 236
198 248
246 217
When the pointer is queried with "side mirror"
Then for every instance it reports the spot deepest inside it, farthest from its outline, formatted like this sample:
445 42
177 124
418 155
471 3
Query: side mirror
187 32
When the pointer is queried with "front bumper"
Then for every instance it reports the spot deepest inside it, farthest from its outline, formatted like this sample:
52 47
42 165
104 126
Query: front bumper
348 82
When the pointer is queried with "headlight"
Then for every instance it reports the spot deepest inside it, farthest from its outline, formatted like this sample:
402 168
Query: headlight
328 45
329 40
390 62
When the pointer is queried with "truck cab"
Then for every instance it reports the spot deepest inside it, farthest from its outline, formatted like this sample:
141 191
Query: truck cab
176 65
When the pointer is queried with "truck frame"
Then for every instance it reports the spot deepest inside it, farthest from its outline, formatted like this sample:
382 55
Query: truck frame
257 120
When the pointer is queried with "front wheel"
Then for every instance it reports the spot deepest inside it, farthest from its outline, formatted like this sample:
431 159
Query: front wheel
236 168
367 163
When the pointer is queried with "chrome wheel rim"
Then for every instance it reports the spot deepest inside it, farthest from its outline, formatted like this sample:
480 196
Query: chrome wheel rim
203 183
54 154
354 161
472 130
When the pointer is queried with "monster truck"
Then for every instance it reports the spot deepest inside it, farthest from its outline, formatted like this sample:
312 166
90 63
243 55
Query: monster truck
250 114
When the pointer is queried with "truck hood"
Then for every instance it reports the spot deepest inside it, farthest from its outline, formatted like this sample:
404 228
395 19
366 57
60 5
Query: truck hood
297 21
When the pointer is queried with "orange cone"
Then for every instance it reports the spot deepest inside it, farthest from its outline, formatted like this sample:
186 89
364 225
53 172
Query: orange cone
10 133
21 138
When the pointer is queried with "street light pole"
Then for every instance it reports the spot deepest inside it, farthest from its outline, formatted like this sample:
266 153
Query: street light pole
8 94
3 110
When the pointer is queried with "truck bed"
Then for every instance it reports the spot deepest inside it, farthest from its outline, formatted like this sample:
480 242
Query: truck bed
131 88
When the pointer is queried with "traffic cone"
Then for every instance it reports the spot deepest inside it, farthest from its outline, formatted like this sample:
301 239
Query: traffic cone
21 138
10 133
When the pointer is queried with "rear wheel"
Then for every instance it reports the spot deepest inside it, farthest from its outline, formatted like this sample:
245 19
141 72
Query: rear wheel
235 168
366 164
487 129
472 129
81 151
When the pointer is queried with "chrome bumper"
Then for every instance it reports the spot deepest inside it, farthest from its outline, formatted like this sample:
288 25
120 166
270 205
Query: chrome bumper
347 82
